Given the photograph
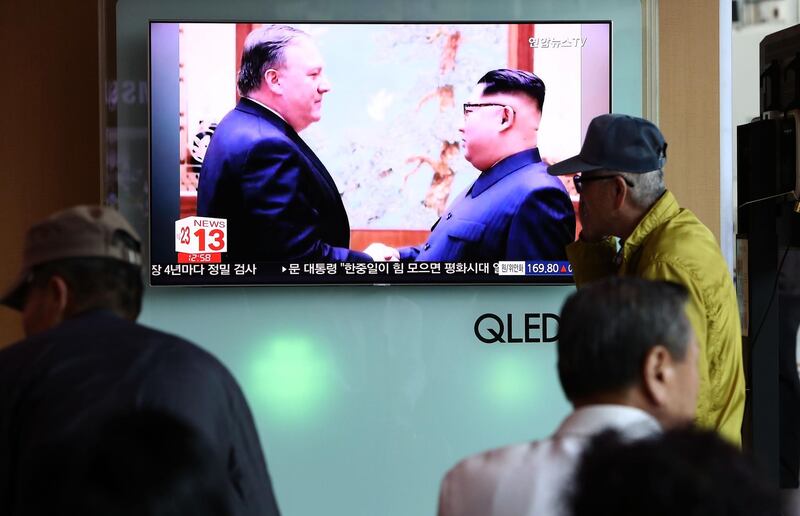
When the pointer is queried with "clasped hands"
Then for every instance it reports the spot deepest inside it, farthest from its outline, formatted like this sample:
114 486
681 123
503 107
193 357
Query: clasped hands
382 253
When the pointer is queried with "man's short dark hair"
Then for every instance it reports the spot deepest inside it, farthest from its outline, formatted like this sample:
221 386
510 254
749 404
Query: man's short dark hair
505 80
97 283
608 327
689 472
263 49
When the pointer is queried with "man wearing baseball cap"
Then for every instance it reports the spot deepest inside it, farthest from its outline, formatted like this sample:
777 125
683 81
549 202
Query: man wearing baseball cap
85 359
632 225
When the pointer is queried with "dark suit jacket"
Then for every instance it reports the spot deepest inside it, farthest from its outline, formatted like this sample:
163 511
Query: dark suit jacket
513 211
58 387
280 202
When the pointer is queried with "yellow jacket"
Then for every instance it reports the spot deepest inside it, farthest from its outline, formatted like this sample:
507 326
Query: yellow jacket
670 243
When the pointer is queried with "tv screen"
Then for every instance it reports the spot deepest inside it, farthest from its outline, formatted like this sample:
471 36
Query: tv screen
368 153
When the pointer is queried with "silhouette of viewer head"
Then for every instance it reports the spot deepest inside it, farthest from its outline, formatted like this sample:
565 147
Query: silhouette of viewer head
80 259
502 116
686 471
282 68
628 341
144 463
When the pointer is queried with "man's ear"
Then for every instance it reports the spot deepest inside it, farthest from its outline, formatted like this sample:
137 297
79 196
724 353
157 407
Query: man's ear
620 192
507 118
58 291
658 373
272 81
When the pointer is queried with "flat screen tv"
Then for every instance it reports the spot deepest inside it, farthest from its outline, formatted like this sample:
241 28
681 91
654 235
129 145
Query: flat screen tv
289 153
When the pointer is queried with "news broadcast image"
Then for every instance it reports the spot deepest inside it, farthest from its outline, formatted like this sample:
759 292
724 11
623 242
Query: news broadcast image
389 135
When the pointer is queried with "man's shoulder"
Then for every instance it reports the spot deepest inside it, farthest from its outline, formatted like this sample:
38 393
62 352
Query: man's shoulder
174 349
494 463
108 323
108 332
94 324
685 222
533 179
244 128
529 183
684 241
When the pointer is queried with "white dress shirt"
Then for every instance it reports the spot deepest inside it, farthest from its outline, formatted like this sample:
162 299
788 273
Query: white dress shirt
529 479
267 107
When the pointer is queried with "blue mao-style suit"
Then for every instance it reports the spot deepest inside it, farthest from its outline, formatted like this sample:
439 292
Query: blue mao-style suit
513 211
280 202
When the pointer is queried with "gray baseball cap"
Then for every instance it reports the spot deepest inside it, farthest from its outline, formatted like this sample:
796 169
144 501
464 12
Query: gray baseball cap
79 232
617 142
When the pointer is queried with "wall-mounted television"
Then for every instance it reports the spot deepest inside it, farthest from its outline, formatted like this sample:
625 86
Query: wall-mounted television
287 153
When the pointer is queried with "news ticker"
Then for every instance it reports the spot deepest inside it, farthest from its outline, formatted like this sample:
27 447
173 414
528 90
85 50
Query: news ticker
200 243
503 268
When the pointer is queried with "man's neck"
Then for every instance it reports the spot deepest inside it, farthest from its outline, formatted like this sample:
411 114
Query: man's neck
513 149
520 145
630 221
265 104
626 397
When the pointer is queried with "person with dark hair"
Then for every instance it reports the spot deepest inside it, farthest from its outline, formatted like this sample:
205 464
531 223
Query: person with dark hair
142 463
633 226
280 202
627 360
85 358
685 471
514 210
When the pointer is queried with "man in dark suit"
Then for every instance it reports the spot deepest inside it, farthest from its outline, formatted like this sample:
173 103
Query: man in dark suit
514 210
85 360
280 202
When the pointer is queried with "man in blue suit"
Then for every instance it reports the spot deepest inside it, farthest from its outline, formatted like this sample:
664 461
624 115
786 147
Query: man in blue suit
280 202
514 210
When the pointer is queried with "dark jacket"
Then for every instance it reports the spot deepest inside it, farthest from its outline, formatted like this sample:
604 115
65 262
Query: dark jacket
513 211
280 202
64 383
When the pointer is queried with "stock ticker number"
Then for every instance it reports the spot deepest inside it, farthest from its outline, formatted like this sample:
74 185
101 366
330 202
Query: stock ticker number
545 268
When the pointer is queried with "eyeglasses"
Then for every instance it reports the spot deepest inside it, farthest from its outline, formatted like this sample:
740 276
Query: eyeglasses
470 107
578 180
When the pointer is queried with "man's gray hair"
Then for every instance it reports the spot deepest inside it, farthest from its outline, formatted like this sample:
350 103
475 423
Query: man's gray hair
607 329
648 187
264 49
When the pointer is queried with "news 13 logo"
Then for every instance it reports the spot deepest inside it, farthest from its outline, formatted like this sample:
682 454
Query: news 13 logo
201 239
531 328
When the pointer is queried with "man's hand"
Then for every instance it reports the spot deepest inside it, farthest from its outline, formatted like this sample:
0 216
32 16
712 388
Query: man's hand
382 253
589 231
590 237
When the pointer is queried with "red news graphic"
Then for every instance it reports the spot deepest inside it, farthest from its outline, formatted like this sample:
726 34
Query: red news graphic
201 239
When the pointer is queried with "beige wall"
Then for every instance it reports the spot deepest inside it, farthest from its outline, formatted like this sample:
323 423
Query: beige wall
689 104
50 135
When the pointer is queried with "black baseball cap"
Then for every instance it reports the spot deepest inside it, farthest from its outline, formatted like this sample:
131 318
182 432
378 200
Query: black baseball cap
617 142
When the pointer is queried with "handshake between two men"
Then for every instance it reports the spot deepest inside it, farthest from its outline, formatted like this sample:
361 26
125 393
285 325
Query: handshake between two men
261 176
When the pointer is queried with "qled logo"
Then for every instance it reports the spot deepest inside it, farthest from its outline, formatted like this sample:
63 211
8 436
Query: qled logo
534 327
